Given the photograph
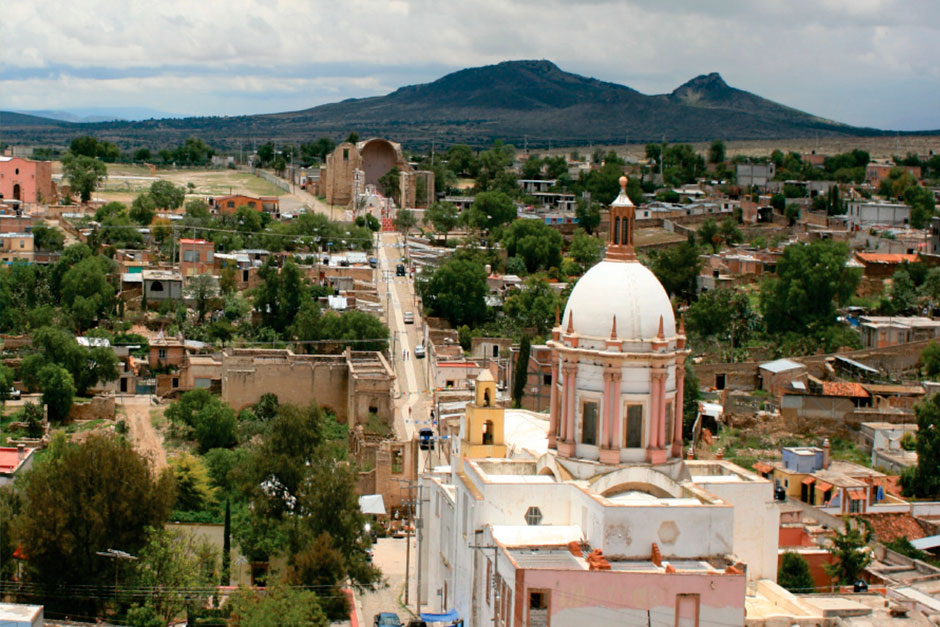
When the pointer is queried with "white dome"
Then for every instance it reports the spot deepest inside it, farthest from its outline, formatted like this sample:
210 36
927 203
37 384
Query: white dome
627 290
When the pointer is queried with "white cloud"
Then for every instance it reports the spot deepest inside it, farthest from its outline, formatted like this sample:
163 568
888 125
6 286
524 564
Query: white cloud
214 56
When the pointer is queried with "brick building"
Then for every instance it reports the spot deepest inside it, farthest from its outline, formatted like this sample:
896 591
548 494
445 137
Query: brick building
26 180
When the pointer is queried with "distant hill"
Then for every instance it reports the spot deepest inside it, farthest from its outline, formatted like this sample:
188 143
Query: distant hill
102 114
516 101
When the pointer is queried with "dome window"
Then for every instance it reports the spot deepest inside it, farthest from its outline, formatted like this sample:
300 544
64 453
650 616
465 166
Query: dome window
533 516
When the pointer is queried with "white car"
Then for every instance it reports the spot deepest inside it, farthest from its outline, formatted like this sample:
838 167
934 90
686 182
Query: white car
409 317
419 351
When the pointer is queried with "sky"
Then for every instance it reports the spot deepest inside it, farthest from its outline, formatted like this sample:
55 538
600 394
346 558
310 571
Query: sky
862 62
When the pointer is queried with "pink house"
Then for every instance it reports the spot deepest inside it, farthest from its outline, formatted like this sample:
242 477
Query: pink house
26 180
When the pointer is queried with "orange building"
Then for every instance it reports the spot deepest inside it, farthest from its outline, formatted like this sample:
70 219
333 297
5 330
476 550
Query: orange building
197 256
229 204
26 180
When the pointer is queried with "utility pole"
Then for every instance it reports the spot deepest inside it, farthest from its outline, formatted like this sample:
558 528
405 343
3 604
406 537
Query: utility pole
416 521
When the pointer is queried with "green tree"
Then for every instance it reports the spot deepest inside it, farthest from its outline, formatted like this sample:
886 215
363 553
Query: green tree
588 213
82 499
194 489
166 195
202 288
723 312
902 294
521 372
6 382
716 151
210 419
455 291
850 548
142 155
462 161
794 573
47 238
84 174
779 202
709 234
811 280
390 184
490 210
405 220
58 390
443 216
279 606
923 480
533 307
586 249
354 329
538 244
143 209
729 231
930 360
176 570
677 268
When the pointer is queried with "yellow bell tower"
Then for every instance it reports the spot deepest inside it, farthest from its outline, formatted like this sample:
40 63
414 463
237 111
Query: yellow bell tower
482 434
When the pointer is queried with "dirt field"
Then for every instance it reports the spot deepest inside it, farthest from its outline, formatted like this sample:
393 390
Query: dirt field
138 412
125 182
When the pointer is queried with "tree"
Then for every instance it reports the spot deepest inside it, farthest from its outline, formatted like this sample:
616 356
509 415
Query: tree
588 213
390 184
902 294
166 195
716 152
461 160
46 238
924 479
521 372
354 329
534 306
729 231
722 312
779 202
194 490
279 606
677 268
202 288
210 419
586 249
143 209
176 569
850 548
405 220
794 573
811 280
538 244
456 291
84 174
930 360
708 234
82 499
490 210
444 217
6 382
58 390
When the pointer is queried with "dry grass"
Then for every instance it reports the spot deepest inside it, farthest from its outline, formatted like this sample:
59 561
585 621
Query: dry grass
126 182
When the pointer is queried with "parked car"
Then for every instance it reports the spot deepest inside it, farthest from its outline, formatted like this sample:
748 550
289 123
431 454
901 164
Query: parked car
426 439
419 351
14 394
400 270
387 619
410 319
373 262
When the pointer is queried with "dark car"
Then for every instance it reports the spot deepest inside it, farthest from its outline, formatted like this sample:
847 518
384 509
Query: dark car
400 270
426 439
387 619
373 261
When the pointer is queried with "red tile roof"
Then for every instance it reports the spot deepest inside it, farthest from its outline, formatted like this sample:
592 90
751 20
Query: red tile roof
886 258
888 527
844 388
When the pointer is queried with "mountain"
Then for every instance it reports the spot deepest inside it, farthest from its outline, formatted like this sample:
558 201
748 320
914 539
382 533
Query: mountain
516 101
102 114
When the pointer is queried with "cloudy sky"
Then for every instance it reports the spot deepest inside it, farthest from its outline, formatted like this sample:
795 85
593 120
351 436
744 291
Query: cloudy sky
864 62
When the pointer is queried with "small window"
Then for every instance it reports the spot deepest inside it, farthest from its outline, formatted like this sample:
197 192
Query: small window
161 353
589 423
495 350
174 382
546 379
538 609
398 460
230 204
345 154
533 516
488 432
634 436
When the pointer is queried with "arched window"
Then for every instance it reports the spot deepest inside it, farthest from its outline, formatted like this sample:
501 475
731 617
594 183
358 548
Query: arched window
486 397
488 432
156 286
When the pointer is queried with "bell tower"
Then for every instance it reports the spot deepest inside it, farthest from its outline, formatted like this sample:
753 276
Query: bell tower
622 227
482 433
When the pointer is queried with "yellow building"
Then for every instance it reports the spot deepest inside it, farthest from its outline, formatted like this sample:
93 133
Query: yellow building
482 431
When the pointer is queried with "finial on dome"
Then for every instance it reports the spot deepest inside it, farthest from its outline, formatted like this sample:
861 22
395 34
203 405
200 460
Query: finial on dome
613 328
571 321
660 335
623 183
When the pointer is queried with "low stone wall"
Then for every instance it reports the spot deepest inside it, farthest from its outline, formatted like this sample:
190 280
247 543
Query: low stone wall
98 407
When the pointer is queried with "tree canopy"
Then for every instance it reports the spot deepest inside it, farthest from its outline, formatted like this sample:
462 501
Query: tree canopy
456 291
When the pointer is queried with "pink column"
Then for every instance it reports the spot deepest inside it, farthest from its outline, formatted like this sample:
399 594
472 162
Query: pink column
656 451
553 406
605 415
569 418
615 410
677 410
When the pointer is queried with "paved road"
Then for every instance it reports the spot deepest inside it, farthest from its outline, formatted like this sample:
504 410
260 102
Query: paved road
390 557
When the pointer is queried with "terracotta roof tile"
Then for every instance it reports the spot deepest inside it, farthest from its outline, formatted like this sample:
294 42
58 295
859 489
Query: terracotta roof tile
844 388
886 258
888 527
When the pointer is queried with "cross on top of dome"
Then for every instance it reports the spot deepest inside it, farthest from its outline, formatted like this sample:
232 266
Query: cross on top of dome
622 227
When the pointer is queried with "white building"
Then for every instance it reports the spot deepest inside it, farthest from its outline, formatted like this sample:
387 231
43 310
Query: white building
595 518
866 213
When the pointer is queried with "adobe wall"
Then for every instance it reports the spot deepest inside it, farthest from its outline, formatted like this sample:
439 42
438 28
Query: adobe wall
295 379
98 407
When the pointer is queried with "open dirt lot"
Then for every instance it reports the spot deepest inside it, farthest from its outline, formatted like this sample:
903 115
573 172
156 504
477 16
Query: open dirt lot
126 181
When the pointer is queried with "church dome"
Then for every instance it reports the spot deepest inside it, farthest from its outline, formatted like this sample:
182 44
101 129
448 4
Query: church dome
627 290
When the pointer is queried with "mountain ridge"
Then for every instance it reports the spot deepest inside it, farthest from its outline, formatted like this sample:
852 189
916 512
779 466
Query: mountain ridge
516 101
